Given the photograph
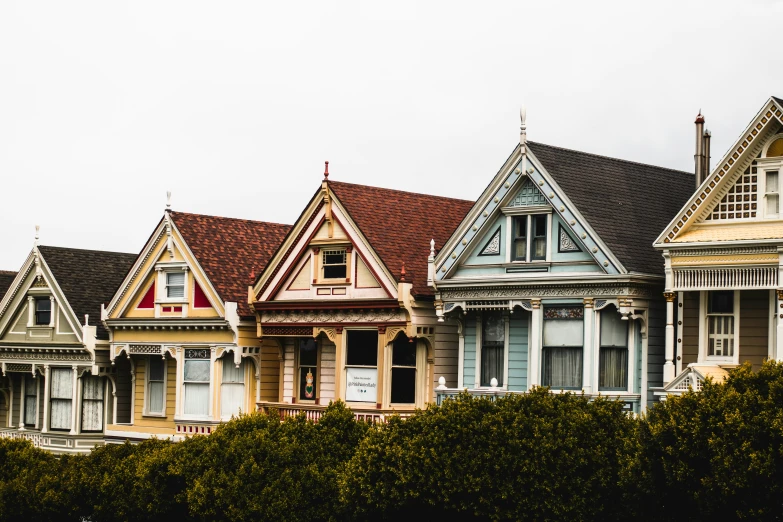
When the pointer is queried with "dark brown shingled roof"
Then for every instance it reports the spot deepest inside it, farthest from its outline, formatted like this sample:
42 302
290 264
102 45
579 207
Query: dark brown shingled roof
628 204
88 278
779 100
231 251
6 278
399 225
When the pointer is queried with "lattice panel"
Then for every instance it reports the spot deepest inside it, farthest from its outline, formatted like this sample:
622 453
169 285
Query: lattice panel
528 196
741 202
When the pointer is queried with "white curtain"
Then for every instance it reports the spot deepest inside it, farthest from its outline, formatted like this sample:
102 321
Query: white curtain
232 389
175 284
30 400
613 371
61 392
92 403
614 331
155 389
196 399
563 332
562 367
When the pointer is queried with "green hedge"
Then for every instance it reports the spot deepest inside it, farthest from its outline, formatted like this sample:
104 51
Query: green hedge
538 456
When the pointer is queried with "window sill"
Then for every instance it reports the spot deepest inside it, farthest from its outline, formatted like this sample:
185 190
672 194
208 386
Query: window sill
177 301
335 282
154 415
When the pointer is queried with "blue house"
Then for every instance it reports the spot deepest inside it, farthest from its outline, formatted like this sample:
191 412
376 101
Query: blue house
553 280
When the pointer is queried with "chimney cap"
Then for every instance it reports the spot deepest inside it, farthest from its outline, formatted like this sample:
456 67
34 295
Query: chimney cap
699 118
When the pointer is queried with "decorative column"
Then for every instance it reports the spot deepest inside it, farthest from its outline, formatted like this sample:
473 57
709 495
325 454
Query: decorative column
22 386
380 390
339 364
213 376
534 350
587 358
30 310
179 371
74 405
779 320
461 353
47 372
668 365
52 311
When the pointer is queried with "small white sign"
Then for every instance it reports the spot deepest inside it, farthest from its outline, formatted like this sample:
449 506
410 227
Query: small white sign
361 384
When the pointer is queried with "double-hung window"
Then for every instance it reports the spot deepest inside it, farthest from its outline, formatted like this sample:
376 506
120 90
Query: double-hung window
30 400
43 311
493 340
334 263
530 237
156 393
720 323
61 398
196 381
175 285
92 403
563 338
307 362
232 388
403 372
361 366
772 193
613 357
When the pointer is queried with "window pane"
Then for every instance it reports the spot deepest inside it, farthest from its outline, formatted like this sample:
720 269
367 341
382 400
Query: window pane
197 370
492 329
562 367
334 257
29 410
307 382
520 252
491 365
567 332
334 271
232 398
175 284
230 371
614 331
539 226
521 226
92 415
308 352
721 302
362 349
156 368
155 399
403 386
93 388
196 398
61 414
403 352
613 369
538 249
772 181
62 385
43 311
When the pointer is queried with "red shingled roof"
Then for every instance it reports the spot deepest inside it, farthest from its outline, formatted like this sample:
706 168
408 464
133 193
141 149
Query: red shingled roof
399 225
231 251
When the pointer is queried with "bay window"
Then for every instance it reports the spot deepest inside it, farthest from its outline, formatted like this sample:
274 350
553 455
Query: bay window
361 366
156 392
307 364
232 387
61 398
493 341
563 341
92 403
403 371
196 381
613 356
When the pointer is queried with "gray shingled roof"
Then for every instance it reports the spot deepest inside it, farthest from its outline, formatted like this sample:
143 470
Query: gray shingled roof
6 278
779 100
88 278
628 204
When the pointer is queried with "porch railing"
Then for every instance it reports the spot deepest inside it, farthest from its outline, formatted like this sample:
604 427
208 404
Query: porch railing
36 438
729 278
314 412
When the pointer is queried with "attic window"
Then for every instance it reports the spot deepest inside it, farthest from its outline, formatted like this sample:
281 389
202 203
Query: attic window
175 284
43 311
334 263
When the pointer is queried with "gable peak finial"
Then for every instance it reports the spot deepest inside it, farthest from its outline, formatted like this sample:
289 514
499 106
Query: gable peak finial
699 118
168 201
523 125
432 247
402 273
326 170
37 233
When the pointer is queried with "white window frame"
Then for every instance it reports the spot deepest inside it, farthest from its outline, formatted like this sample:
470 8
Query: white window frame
479 334
323 265
52 398
704 328
298 373
228 358
420 379
380 395
585 341
147 412
762 169
632 355
23 404
82 400
210 383
162 286
511 217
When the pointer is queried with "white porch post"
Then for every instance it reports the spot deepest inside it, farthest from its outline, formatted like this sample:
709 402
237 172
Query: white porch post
22 401
213 376
180 359
534 350
587 359
74 405
779 321
47 372
668 366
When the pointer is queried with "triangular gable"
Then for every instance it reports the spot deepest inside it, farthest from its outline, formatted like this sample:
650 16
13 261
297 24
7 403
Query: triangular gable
35 276
727 173
514 185
324 221
693 377
166 249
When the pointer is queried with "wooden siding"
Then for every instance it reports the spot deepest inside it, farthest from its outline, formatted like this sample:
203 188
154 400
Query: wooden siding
690 328
754 327
140 421
123 380
270 372
446 355
469 368
518 350
328 370
16 383
656 341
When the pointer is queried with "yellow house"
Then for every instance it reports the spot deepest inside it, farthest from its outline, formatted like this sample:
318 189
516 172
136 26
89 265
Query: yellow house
182 332
723 254
346 301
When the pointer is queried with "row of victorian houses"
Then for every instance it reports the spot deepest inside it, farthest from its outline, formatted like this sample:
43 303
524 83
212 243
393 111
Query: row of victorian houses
571 270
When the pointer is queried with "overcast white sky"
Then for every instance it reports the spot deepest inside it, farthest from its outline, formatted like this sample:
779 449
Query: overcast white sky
234 106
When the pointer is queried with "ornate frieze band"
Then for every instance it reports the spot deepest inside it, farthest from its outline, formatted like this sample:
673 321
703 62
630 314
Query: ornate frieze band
544 291
334 316
145 349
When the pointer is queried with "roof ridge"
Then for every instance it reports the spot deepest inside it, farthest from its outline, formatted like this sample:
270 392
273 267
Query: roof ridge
8 272
401 191
88 250
231 218
630 162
